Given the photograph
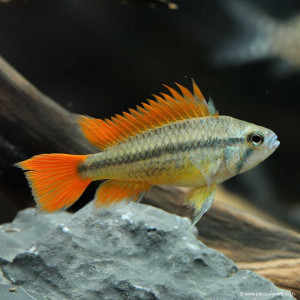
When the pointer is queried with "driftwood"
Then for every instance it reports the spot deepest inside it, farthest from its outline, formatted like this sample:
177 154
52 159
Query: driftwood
32 117
39 125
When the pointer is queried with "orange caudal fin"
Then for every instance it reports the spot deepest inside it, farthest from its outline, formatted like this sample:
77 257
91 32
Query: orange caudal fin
112 192
54 180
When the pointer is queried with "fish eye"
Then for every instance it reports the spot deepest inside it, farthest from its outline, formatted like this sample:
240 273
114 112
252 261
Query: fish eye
255 138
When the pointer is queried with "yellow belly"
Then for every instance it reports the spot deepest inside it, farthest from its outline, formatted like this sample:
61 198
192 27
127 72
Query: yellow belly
159 171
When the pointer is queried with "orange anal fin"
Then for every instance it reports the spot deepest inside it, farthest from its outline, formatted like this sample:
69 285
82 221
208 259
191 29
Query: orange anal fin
54 180
112 192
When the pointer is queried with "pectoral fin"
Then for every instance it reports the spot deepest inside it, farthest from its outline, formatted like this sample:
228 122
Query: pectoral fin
200 199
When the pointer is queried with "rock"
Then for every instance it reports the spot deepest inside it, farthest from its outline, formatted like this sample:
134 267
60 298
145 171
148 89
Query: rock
9 292
28 227
134 252
3 280
12 292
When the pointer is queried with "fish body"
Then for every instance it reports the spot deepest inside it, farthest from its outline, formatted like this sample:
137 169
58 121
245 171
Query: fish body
179 140
262 37
188 153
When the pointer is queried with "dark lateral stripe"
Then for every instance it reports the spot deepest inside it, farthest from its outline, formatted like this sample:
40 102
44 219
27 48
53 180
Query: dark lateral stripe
244 158
167 149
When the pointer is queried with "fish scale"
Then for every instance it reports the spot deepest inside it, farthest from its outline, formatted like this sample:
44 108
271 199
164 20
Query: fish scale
171 143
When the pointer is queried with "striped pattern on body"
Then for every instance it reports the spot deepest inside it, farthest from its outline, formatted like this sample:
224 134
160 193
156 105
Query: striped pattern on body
176 153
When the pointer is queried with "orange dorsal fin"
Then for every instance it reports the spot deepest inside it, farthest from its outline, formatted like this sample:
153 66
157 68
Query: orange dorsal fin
164 110
112 192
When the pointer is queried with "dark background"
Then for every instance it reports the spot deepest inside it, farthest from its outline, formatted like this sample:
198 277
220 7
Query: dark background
102 57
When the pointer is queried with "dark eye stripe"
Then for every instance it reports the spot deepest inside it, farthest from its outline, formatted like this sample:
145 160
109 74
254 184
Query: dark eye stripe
245 156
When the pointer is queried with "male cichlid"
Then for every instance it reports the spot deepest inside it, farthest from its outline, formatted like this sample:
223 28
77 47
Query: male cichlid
176 140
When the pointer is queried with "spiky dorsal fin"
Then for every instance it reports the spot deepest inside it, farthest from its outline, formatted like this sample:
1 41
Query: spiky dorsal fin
164 110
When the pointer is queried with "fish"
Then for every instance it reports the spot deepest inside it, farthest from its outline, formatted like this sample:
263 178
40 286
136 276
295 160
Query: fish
262 37
175 139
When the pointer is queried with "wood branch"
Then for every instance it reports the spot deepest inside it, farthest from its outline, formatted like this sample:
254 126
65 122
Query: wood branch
39 125
32 121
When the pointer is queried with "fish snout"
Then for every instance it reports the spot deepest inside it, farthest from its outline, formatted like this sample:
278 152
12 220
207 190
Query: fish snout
273 142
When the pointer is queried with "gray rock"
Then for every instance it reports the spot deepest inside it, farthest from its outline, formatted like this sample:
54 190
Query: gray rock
3 280
16 237
9 292
134 252
12 292
28 227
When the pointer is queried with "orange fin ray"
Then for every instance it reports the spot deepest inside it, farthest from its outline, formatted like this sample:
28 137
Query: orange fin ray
166 109
112 192
197 91
185 92
54 180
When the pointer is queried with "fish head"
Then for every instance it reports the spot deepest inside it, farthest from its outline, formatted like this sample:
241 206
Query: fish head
254 144
257 144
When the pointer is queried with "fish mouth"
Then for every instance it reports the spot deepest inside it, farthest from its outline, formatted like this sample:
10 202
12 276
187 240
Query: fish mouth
274 143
